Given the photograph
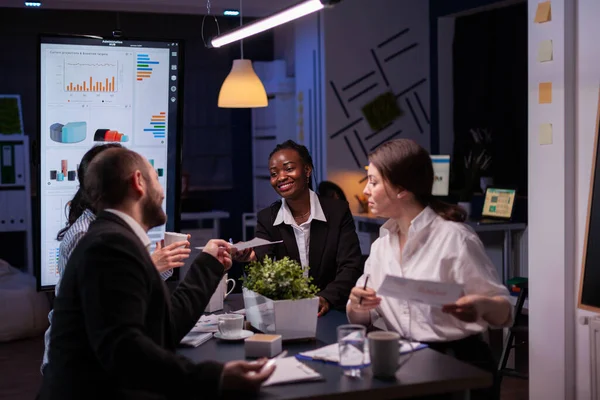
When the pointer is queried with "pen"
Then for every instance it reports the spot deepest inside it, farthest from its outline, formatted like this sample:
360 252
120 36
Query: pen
364 288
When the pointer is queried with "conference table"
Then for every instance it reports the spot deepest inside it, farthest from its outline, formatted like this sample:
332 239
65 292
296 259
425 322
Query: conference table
423 373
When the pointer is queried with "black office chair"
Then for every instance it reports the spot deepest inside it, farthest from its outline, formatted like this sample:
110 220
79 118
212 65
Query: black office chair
518 327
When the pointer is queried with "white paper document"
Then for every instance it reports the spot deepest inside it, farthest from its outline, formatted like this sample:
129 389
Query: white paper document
331 353
256 242
289 370
426 292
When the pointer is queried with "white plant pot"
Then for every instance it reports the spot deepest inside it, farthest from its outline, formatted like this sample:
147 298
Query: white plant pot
292 319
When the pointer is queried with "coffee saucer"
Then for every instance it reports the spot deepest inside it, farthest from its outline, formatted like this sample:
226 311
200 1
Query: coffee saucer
243 335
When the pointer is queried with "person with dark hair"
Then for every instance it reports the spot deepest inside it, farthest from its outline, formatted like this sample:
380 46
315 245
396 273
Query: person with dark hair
425 239
331 190
81 215
317 232
115 325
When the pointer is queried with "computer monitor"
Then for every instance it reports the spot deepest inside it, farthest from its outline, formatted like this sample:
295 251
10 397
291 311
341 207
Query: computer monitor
498 203
441 175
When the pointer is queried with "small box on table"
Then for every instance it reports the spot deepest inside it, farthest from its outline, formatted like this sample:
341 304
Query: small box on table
261 345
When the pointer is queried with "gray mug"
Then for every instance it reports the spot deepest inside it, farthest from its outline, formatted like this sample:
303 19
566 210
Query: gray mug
384 350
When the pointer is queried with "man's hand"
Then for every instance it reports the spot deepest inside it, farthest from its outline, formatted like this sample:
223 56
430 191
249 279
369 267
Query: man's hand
171 256
323 306
221 250
244 377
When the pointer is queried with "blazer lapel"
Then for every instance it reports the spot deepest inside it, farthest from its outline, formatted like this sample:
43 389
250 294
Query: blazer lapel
318 236
289 241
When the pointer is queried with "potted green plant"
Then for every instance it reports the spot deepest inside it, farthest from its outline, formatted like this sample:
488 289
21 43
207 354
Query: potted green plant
279 298
476 165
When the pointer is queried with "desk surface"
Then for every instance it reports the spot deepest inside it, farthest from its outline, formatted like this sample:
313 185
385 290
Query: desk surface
426 372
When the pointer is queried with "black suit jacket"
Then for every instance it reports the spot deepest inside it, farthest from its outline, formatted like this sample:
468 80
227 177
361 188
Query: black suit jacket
115 326
334 255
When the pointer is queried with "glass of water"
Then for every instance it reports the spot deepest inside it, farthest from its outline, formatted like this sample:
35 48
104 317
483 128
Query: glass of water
351 342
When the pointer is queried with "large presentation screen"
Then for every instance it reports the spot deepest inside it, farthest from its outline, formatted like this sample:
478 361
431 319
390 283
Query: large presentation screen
95 91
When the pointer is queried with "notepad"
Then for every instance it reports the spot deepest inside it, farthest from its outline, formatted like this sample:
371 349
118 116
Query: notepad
331 353
207 323
290 370
195 339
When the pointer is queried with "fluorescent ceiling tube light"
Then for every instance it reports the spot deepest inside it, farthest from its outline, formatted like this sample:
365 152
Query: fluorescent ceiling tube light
289 14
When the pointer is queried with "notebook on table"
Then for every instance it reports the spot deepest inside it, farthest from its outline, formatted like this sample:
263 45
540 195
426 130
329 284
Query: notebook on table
290 370
195 339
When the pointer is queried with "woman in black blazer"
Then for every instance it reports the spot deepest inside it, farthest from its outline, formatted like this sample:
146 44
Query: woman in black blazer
317 232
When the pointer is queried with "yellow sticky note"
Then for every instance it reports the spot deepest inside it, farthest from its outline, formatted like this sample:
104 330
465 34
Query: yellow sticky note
545 51
545 93
543 13
545 136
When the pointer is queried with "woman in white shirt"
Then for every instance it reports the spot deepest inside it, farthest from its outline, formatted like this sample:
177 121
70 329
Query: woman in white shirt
425 239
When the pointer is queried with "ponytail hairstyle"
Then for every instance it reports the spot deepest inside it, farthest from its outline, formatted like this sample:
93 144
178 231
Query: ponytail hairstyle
80 202
405 164
302 152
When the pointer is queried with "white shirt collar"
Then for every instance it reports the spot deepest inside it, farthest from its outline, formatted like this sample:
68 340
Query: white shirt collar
284 215
422 220
134 225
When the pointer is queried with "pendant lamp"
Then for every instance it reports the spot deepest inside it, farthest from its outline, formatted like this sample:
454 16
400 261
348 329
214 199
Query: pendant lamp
242 88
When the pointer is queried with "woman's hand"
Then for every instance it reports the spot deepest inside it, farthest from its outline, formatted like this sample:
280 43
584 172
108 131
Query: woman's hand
323 306
468 308
171 256
369 299
246 255
495 310
221 250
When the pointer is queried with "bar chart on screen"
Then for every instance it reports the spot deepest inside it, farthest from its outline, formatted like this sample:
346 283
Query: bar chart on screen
145 65
86 76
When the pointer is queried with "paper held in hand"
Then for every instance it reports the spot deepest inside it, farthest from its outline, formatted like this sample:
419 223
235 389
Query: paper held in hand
256 242
427 292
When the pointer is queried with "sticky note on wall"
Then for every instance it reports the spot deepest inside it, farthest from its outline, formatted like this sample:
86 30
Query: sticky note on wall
545 96
545 51
545 136
543 13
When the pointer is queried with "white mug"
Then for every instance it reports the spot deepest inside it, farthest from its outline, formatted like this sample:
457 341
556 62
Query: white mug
221 292
172 237
225 283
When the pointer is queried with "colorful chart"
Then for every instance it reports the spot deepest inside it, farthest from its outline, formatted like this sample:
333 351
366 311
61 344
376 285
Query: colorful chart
158 125
90 76
144 66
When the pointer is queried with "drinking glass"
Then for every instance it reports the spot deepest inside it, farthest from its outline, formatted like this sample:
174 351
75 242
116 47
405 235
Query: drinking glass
351 342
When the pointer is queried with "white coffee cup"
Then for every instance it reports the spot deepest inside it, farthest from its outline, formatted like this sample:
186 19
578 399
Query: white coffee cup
172 237
230 325
384 350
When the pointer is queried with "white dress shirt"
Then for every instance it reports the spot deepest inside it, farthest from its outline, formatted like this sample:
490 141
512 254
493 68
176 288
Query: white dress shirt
302 231
436 250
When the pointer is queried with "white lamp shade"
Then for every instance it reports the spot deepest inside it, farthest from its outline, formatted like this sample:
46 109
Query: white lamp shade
242 88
